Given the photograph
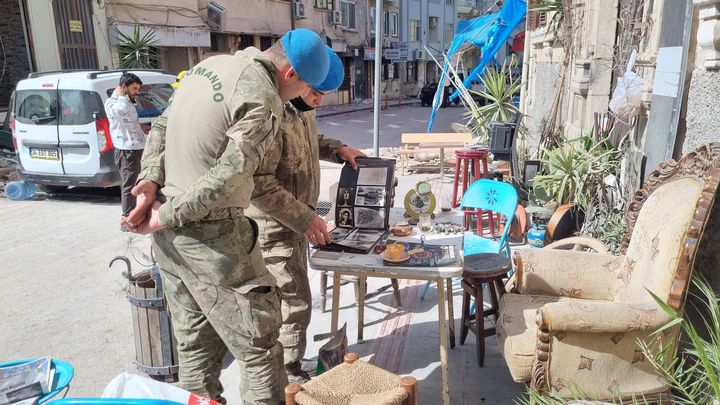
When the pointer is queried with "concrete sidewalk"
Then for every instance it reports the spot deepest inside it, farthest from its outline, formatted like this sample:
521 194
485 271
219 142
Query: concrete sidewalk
404 339
327 111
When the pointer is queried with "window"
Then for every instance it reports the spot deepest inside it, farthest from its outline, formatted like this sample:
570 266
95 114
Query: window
535 19
265 43
152 100
324 4
433 29
448 2
218 42
390 21
245 41
347 8
412 71
448 32
371 20
74 107
414 30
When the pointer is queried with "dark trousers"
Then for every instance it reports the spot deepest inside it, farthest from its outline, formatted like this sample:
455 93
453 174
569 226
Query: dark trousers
128 162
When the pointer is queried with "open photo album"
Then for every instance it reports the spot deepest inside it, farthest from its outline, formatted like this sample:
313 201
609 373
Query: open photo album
362 206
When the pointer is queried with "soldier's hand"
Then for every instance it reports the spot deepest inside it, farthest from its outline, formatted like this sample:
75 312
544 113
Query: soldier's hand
145 192
152 224
316 232
349 155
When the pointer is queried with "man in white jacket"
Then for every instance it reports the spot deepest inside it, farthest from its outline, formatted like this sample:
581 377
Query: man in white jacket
127 136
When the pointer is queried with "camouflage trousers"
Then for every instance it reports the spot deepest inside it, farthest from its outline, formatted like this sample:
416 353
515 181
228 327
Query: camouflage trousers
222 298
287 261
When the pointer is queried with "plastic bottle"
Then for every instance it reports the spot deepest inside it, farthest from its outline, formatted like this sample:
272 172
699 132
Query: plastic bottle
20 190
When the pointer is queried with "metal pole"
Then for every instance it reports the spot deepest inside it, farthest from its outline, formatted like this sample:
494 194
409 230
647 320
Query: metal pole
378 73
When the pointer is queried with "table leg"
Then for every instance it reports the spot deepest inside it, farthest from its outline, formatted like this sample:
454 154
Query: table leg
442 177
362 285
443 341
335 302
451 312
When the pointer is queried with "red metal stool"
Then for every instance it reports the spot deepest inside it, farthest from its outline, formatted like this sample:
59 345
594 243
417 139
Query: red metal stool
464 157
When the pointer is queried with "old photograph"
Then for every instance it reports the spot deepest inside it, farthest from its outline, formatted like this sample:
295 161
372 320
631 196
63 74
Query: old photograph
369 218
372 176
345 218
370 196
346 196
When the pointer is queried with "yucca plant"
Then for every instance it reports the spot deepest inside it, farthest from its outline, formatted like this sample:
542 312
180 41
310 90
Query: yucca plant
138 51
500 88
574 171
693 375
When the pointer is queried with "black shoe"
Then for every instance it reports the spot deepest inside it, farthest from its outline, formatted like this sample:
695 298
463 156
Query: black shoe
296 374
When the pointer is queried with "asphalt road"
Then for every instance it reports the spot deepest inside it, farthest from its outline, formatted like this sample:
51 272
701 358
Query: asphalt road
356 129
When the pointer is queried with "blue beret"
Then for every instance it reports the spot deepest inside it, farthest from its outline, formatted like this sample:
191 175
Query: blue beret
335 75
307 55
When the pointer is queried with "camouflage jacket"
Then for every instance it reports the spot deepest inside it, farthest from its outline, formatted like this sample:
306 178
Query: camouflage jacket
287 183
221 122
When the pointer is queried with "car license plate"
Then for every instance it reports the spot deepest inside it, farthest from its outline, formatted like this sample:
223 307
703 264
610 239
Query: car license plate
47 154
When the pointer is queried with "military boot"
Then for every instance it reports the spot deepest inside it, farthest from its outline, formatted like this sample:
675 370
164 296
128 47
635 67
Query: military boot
296 374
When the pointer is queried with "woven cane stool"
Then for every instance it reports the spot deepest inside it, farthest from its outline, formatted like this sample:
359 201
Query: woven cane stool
354 382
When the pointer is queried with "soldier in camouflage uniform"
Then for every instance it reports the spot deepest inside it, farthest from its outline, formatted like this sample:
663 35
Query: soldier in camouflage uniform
220 123
287 186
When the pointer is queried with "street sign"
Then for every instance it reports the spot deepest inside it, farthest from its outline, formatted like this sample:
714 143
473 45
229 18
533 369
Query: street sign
369 54
400 45
391 53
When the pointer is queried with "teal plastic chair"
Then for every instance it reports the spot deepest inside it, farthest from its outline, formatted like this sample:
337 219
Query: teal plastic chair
63 375
488 195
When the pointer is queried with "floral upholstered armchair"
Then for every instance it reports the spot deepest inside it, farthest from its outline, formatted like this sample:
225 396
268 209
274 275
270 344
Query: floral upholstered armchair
572 320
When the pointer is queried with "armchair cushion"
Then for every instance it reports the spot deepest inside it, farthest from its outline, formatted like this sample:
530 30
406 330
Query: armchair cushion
516 331
564 273
600 317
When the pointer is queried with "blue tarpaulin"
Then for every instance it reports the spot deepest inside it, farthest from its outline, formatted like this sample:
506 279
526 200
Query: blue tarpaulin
487 32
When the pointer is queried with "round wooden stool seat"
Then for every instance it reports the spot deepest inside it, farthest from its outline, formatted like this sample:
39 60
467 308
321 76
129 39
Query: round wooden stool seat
485 266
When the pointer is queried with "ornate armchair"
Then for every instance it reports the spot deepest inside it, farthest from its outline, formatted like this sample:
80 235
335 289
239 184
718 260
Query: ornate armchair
572 320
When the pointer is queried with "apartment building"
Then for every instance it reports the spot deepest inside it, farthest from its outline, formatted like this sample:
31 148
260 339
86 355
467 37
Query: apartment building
427 26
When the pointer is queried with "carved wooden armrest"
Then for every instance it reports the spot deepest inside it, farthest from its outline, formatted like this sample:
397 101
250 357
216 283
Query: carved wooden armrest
565 273
600 317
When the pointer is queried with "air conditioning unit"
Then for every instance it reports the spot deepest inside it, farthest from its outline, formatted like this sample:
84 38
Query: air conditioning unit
299 9
215 16
335 17
420 54
432 23
386 42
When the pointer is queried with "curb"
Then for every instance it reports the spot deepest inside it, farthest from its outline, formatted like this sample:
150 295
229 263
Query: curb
363 108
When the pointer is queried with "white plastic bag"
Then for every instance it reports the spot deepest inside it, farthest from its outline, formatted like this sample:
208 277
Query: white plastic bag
627 97
127 385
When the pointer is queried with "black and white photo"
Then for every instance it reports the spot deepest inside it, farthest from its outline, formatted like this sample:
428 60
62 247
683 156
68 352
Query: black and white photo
370 196
369 218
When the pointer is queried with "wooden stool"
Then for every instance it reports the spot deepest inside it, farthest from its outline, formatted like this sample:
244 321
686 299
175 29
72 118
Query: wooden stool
464 157
480 269
354 381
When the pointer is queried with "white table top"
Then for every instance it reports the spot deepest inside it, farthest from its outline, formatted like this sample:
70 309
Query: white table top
371 264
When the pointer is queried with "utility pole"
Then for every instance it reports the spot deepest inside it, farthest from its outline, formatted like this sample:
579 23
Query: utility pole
378 73
292 14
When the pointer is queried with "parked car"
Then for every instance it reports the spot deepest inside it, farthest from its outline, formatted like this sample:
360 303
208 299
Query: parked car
60 130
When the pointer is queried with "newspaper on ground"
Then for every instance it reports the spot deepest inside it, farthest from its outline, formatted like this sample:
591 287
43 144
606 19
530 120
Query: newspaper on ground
25 381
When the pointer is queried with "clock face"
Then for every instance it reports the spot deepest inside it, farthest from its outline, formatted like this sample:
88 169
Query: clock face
423 187
416 203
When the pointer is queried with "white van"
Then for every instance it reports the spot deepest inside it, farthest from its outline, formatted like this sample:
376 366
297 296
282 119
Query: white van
60 130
